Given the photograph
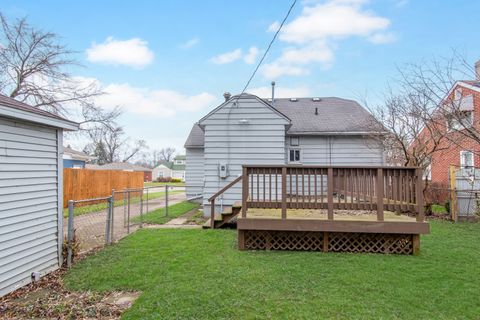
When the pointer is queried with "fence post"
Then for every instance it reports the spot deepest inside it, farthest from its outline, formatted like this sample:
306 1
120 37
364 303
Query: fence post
453 194
147 200
107 226
380 194
329 193
141 208
128 212
166 200
112 219
70 233
420 208
284 193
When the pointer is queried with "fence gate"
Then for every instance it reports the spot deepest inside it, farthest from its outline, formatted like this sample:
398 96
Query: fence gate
465 185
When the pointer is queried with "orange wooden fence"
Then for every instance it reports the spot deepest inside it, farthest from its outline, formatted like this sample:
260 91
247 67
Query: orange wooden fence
81 184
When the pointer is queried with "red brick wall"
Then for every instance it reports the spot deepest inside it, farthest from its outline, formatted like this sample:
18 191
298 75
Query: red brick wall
442 160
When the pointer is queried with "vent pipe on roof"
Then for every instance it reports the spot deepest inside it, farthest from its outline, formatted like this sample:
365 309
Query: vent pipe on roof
477 70
227 96
316 111
273 92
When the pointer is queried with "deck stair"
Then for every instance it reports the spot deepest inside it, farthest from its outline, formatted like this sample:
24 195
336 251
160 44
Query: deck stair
226 218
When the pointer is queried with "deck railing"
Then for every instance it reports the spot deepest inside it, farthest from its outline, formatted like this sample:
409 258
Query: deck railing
396 189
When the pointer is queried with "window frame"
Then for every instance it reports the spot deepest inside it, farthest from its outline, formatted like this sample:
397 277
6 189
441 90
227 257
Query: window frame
296 143
462 159
299 154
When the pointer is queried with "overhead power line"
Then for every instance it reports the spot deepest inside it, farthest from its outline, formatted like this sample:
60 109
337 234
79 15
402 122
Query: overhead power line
269 46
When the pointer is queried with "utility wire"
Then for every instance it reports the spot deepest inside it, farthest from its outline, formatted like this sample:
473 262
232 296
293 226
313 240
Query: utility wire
269 46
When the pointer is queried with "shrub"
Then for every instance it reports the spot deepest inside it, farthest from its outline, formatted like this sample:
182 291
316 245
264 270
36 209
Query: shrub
160 179
176 180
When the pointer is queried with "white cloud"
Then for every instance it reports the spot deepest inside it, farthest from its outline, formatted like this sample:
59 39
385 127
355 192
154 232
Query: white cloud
152 102
276 69
280 92
227 57
133 52
380 38
190 43
251 56
333 19
314 33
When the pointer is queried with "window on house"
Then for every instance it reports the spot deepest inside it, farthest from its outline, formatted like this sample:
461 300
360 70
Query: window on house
457 94
460 120
294 155
294 141
466 159
427 173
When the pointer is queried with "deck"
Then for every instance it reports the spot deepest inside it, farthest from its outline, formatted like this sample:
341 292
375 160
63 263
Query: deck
330 209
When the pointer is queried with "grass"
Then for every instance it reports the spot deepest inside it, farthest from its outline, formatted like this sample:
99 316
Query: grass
199 274
439 209
174 211
160 184
79 210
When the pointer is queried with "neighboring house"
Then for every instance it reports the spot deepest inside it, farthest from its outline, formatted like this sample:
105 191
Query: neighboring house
125 166
75 159
162 171
248 130
31 192
178 168
464 152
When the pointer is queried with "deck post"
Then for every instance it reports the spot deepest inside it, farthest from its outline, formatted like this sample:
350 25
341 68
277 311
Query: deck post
212 214
330 193
244 191
419 191
284 193
415 244
380 194
241 240
325 242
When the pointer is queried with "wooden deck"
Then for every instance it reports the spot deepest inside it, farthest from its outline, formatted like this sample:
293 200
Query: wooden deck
329 209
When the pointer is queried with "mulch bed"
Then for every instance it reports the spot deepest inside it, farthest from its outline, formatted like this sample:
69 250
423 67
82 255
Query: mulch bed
48 299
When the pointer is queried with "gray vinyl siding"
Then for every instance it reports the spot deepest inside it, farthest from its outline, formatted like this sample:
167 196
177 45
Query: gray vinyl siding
338 151
194 172
260 141
29 202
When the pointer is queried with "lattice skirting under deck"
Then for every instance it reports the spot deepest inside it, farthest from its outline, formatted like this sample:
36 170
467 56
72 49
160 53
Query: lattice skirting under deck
328 241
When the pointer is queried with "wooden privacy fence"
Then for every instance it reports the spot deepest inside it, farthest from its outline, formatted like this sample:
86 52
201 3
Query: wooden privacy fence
81 184
346 188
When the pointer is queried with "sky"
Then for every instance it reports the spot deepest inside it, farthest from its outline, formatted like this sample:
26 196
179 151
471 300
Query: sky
168 63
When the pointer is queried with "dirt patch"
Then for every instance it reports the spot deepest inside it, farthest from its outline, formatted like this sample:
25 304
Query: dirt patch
48 299
194 217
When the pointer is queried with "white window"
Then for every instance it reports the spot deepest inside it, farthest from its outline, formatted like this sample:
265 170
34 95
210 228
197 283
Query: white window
457 94
460 120
294 155
466 159
427 173
294 141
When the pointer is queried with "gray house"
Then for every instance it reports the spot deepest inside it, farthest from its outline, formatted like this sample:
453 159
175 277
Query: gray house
31 232
248 130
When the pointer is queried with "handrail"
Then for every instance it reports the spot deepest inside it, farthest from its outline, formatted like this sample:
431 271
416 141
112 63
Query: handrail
212 199
228 186
326 167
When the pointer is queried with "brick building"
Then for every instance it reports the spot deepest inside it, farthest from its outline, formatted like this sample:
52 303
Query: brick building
465 152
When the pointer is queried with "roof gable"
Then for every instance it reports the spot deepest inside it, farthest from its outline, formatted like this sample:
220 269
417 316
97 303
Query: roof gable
238 98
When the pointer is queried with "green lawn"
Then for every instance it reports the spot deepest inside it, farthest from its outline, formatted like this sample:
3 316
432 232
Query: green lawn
79 210
158 216
199 274
159 184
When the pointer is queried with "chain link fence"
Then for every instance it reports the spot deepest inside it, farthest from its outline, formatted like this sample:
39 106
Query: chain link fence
93 223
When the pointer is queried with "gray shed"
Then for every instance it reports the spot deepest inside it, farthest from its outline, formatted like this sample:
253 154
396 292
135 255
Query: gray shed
31 231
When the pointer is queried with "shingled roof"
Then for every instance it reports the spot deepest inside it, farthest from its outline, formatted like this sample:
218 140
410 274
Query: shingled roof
312 116
13 104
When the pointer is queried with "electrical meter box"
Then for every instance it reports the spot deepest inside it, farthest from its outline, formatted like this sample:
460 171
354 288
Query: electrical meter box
223 170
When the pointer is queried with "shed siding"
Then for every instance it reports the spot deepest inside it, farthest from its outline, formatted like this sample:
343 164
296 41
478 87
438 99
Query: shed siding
259 141
28 202
194 172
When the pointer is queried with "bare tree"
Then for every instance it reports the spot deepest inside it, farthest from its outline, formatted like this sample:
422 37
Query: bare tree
34 67
109 144
166 154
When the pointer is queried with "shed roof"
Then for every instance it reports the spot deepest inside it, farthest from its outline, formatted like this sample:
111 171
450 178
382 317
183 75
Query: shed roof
12 108
336 116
